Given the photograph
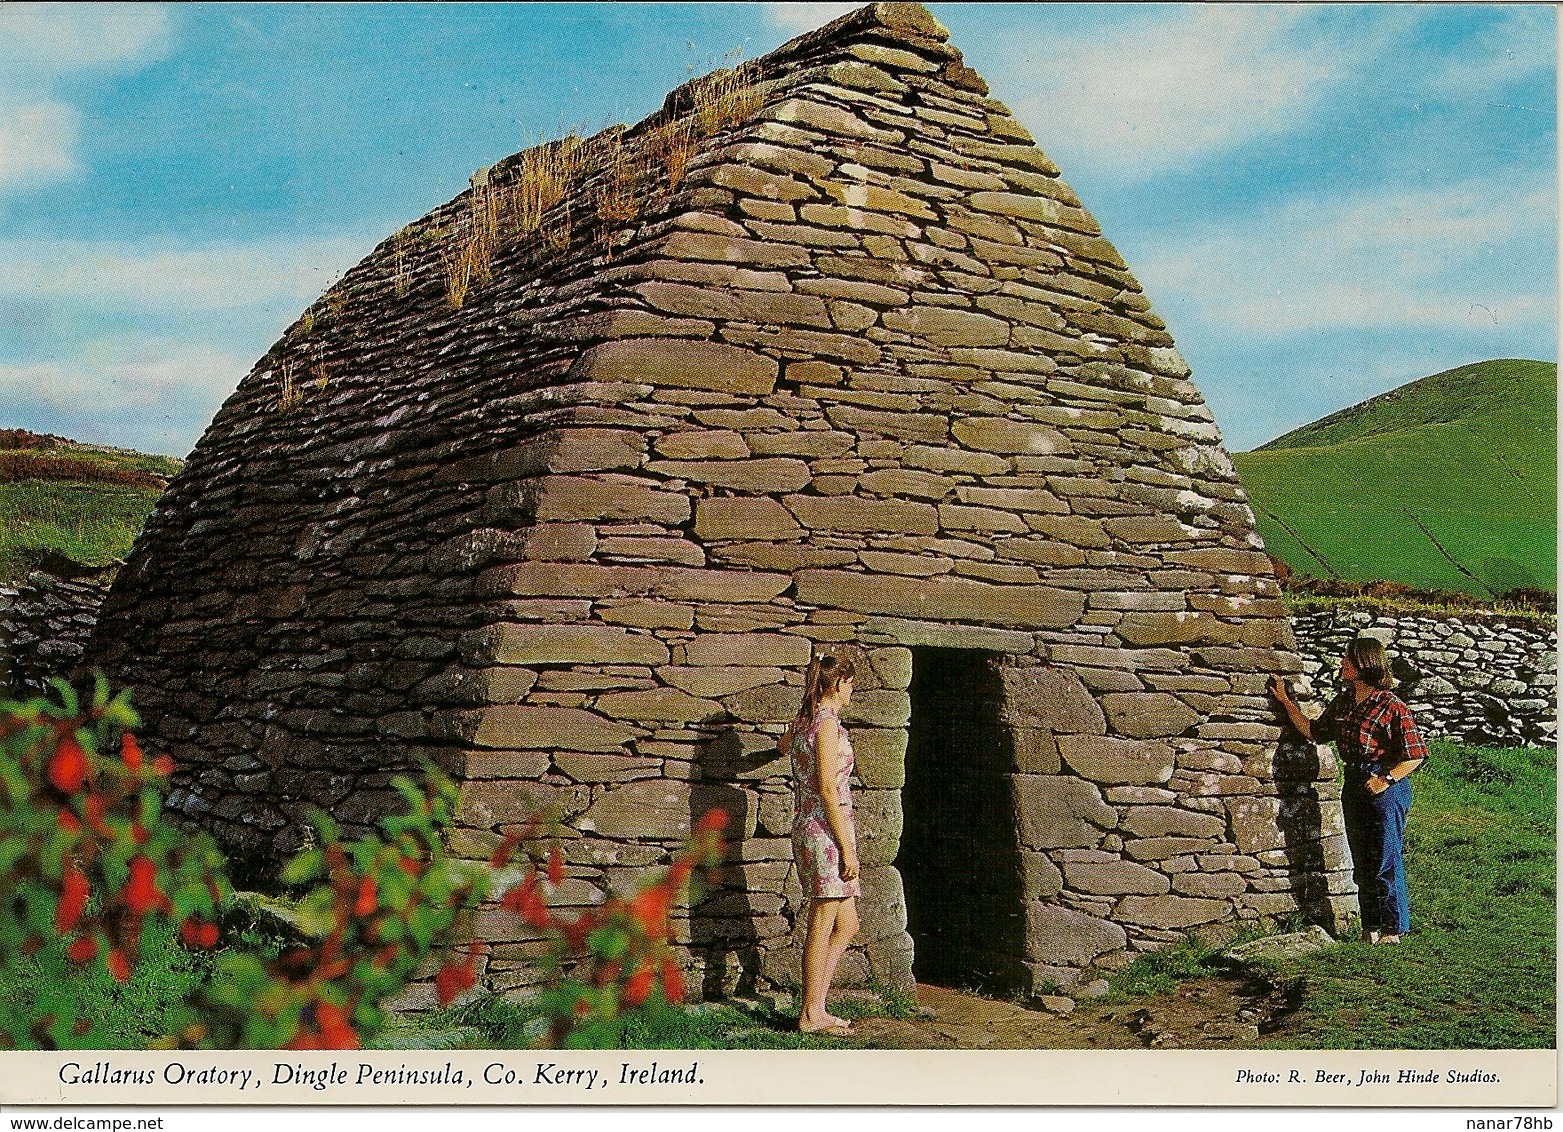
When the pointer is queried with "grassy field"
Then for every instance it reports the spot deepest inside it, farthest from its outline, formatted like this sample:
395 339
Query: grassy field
1479 967
83 503
130 1015
1447 483
1477 971
87 524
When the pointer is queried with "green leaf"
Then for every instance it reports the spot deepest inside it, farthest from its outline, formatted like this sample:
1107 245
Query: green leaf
322 821
390 929
68 700
414 797
151 807
303 868
608 941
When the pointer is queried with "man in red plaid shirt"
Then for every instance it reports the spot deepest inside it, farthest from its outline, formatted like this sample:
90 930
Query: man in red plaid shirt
1379 747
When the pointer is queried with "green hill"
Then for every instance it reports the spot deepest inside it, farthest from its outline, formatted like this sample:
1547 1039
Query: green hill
1449 482
80 503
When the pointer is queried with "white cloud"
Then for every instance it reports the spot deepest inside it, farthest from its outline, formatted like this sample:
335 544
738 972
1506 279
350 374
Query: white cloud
52 40
44 47
805 17
153 394
36 142
148 377
161 278
1194 81
1462 256
142 343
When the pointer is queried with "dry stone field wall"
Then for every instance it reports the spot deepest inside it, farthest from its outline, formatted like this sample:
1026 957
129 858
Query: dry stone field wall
1476 680
45 624
862 374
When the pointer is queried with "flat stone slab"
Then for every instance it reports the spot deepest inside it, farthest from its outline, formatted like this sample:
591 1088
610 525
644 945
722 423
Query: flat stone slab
1101 758
913 633
940 599
1292 945
1063 936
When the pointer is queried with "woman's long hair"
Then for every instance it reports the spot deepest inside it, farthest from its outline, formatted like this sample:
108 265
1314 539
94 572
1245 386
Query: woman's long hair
1367 657
824 673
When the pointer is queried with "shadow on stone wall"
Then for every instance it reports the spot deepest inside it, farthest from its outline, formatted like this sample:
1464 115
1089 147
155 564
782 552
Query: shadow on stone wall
1312 852
723 931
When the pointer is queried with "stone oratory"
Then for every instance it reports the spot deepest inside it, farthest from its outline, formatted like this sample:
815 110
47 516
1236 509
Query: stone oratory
561 486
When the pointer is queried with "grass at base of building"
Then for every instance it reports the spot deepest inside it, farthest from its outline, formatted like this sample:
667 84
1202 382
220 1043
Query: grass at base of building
1476 972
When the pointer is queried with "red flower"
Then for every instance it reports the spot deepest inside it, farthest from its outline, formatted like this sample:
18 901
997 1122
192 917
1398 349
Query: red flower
82 949
197 933
650 908
163 765
74 890
576 931
335 1030
525 901
366 902
534 910
141 894
304 1039
68 767
712 821
118 965
638 987
672 981
452 980
506 850
68 823
555 866
130 751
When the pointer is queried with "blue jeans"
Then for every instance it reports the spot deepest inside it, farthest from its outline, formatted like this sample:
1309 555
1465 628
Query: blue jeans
1376 832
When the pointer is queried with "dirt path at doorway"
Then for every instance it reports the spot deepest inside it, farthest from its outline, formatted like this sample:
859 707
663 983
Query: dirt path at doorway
1221 1012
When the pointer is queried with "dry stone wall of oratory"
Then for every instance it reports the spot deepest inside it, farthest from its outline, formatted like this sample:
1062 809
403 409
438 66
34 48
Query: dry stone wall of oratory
867 376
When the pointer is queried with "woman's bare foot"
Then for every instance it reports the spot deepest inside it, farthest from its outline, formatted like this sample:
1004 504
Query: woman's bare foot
1387 939
829 1024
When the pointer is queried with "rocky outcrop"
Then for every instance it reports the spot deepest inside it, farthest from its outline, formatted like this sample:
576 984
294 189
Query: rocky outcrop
563 495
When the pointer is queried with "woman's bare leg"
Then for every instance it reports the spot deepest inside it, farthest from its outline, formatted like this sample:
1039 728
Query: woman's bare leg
817 967
842 933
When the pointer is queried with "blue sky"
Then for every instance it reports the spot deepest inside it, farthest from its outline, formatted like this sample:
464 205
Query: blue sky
1323 202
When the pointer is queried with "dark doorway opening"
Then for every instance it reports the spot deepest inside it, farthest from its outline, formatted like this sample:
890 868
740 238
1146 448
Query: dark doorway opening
960 857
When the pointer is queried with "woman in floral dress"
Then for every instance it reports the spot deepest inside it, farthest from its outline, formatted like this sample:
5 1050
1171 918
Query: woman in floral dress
824 843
